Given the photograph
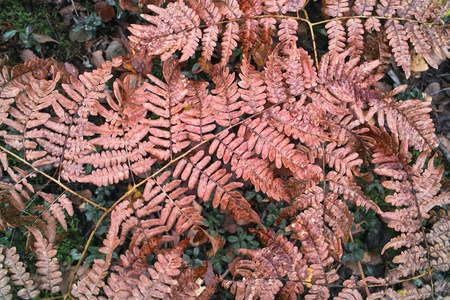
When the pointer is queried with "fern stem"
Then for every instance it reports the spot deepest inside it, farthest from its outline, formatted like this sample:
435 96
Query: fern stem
51 178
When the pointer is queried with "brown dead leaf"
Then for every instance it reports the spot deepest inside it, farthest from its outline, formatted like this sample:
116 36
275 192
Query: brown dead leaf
197 206
97 58
372 258
114 50
260 55
353 267
68 12
433 90
71 69
128 5
427 97
27 54
383 86
67 70
68 273
209 276
77 200
42 38
104 10
418 63
438 57
445 141
229 224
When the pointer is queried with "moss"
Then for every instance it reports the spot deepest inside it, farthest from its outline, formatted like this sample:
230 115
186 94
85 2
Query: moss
43 19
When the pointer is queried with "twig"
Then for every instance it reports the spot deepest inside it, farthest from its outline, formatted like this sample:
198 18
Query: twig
51 26
225 273
75 8
446 89
444 151
360 269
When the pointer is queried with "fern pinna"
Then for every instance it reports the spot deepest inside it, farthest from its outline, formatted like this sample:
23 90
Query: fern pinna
263 112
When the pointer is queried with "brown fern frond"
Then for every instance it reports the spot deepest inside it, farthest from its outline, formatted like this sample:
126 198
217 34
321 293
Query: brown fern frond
345 82
131 266
229 8
306 123
355 39
276 91
226 103
410 121
364 7
259 277
174 208
14 80
252 89
19 276
404 240
336 8
417 188
308 228
350 294
338 217
336 33
20 191
5 288
343 185
343 160
398 41
300 73
212 179
311 198
390 293
229 41
160 281
416 24
288 260
166 100
198 117
288 31
270 144
228 148
47 264
188 288
57 205
283 6
209 41
31 91
175 28
89 285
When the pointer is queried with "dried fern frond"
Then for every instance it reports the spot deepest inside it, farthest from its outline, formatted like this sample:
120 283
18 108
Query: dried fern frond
415 23
47 264
244 106
19 277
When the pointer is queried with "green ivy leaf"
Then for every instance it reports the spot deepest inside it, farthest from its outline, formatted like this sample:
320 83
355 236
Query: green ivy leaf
9 35
232 239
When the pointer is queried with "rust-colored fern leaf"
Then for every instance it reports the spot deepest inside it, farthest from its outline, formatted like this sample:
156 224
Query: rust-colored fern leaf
249 124
47 265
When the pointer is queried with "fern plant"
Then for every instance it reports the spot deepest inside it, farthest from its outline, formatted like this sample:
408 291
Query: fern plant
276 119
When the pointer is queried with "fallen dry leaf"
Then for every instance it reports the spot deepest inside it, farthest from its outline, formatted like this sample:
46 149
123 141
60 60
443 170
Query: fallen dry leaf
433 90
68 11
372 258
97 58
42 38
104 10
27 54
418 63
